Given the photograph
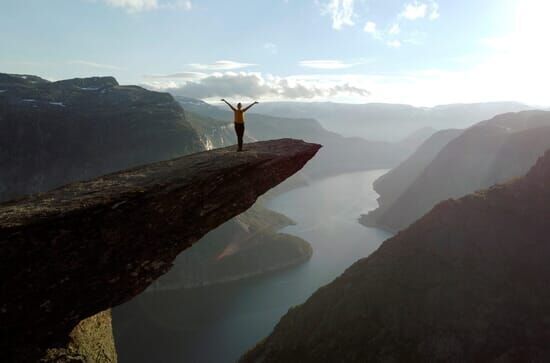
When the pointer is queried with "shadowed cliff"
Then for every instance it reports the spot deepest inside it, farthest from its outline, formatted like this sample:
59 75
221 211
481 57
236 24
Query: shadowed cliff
468 282
54 133
77 250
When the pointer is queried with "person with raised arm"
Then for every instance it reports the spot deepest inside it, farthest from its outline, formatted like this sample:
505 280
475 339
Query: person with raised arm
238 115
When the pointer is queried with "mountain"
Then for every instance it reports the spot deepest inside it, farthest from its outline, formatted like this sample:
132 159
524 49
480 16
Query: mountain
468 282
52 133
490 152
388 122
339 154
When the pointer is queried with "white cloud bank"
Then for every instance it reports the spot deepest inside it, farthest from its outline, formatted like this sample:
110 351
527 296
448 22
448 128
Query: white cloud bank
251 85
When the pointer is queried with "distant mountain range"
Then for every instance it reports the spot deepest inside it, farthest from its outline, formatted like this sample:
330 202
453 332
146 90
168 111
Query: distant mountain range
388 122
468 282
338 155
452 164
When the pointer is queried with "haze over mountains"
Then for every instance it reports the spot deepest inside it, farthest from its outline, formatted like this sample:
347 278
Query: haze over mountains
490 152
388 122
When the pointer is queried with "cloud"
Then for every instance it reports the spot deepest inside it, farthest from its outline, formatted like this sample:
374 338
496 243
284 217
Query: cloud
420 10
327 64
341 12
392 36
370 27
395 29
222 65
93 65
256 85
134 6
415 11
271 48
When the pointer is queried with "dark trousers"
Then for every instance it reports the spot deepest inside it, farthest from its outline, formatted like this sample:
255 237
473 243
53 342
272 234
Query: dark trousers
239 129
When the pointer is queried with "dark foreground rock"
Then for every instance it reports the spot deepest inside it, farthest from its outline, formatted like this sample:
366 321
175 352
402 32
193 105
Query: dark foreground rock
80 249
468 282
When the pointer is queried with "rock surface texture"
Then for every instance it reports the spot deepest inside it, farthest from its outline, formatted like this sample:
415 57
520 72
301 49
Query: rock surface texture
468 282
75 251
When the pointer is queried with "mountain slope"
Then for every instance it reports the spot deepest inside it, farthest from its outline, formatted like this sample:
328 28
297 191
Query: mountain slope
489 152
52 133
468 282
393 184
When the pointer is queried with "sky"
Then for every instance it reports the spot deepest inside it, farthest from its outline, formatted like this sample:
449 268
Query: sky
419 52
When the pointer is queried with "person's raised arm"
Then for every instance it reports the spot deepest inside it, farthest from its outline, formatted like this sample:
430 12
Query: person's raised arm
252 104
228 104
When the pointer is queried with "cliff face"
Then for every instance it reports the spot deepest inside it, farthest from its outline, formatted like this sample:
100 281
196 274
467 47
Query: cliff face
468 282
393 184
53 133
487 153
80 249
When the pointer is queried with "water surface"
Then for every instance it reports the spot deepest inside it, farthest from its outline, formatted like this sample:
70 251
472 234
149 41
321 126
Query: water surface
219 323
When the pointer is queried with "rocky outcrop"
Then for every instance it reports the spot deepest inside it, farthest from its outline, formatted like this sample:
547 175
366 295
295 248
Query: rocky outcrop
80 249
91 340
53 133
468 282
490 152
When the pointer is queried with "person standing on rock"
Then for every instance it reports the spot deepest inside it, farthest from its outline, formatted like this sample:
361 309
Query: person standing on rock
239 120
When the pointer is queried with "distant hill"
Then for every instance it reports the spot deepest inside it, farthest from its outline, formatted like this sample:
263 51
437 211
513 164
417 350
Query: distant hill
487 153
468 282
388 122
